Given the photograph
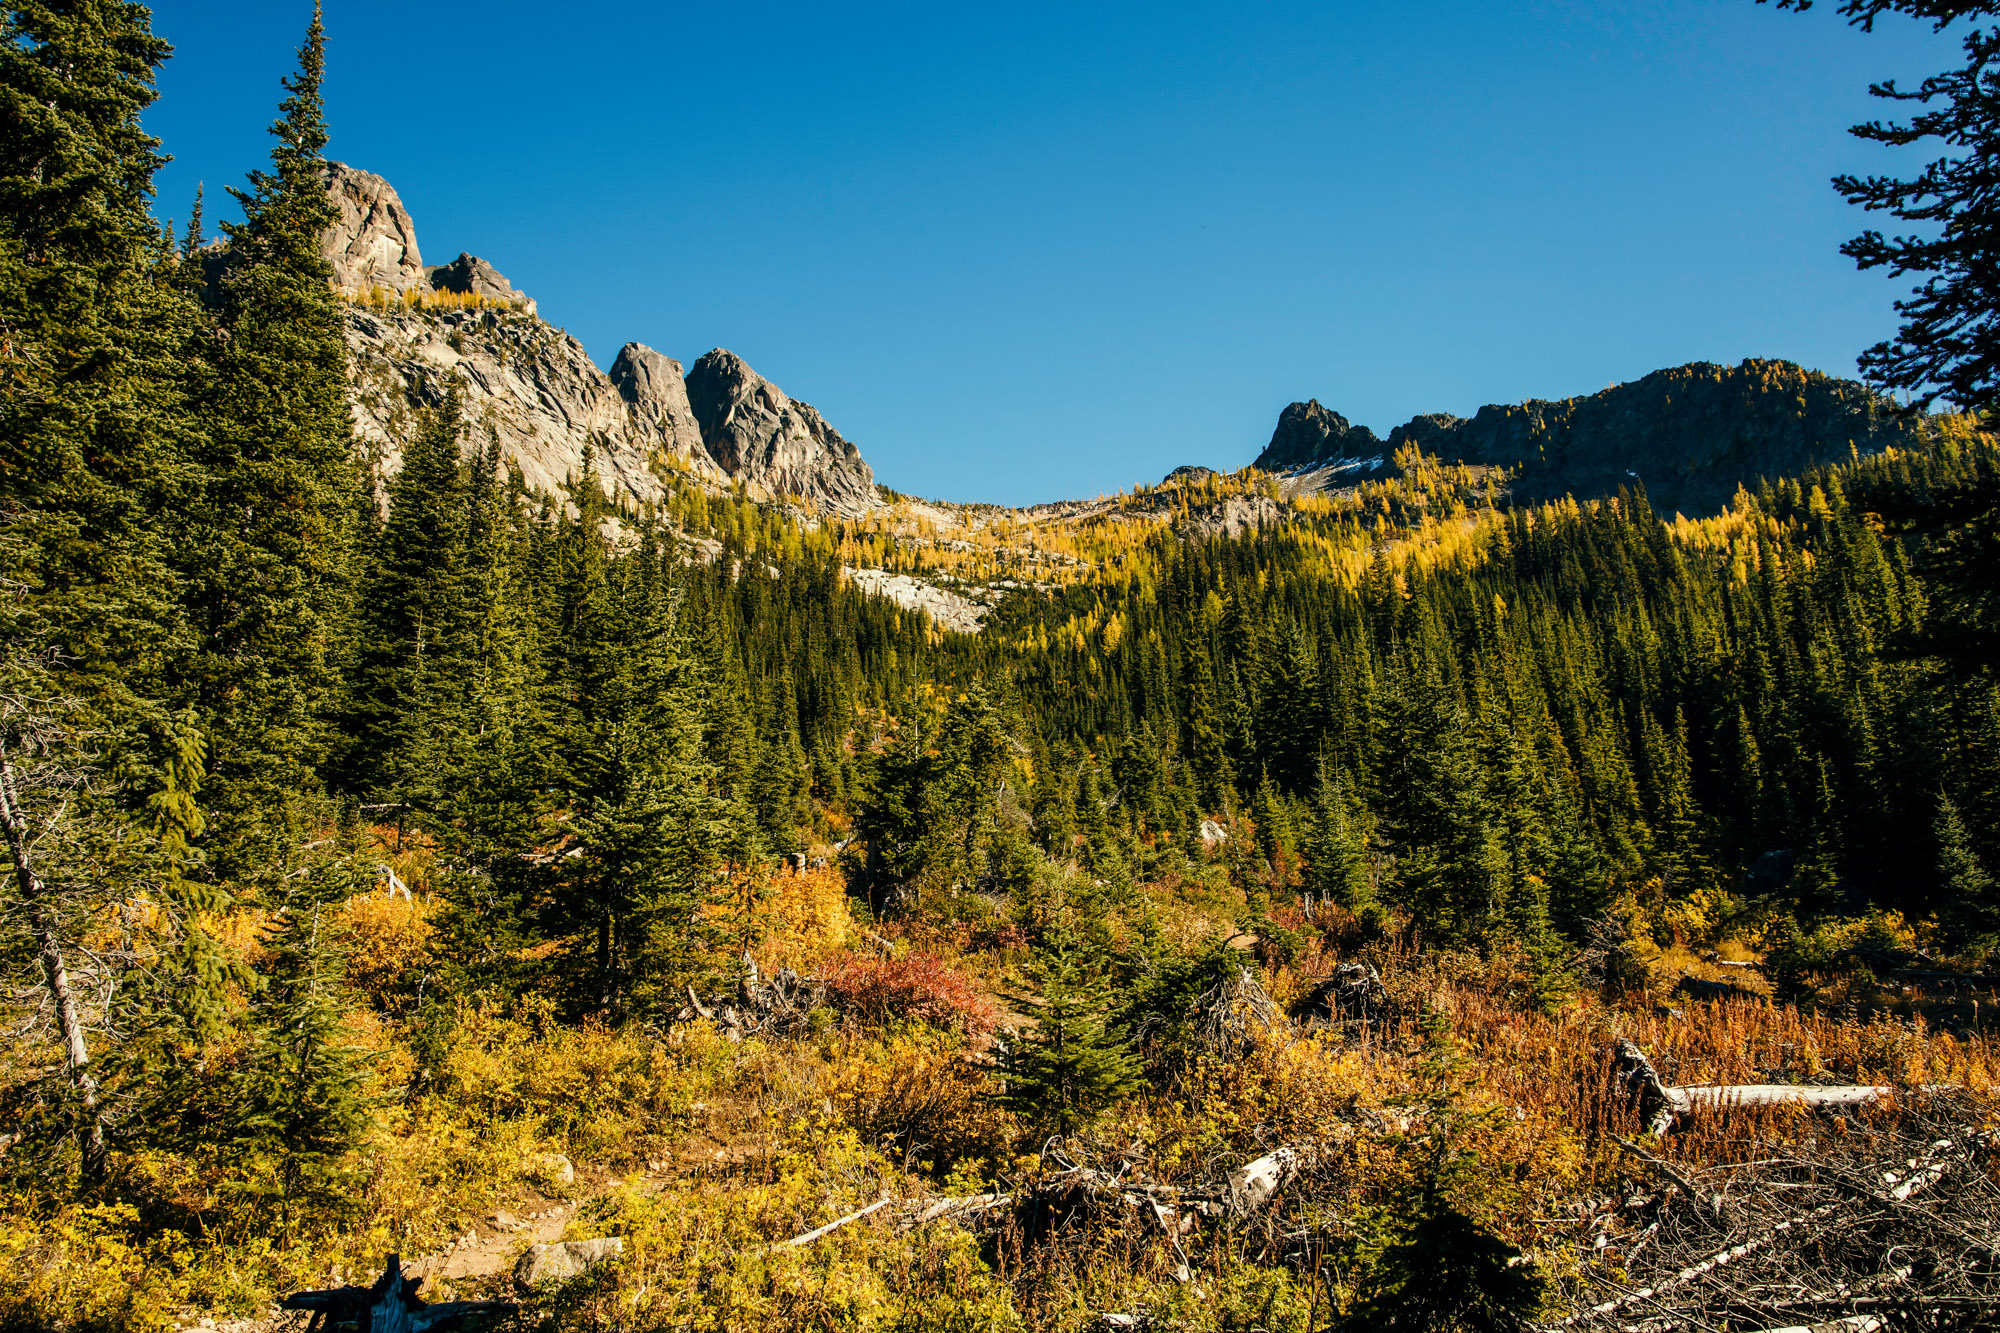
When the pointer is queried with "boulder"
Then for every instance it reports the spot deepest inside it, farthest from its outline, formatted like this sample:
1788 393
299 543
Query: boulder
554 1169
373 241
565 1259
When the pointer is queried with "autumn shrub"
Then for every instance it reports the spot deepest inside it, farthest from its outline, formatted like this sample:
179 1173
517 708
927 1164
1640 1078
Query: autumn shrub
386 939
916 988
918 1094
801 919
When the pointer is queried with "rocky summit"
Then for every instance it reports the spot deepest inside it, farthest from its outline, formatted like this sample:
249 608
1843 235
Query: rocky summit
1311 436
1689 435
412 329
756 434
373 240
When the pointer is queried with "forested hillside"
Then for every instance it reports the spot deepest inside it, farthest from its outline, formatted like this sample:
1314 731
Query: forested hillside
1238 931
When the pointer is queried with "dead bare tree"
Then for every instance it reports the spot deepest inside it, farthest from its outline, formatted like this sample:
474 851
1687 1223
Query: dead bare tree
40 786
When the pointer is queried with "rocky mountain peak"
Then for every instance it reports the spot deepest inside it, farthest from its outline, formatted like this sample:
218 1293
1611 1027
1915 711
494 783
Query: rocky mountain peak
657 391
1312 436
1689 434
373 239
537 392
755 433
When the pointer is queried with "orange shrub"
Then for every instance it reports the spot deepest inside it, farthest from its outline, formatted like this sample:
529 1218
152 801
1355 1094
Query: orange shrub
918 987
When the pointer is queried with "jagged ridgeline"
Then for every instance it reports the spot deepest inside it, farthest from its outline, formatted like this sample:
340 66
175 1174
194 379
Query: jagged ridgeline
412 329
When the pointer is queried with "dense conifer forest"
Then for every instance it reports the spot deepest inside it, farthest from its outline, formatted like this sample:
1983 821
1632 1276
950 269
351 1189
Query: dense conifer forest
450 868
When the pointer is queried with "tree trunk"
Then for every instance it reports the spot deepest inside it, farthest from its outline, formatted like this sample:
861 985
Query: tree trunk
55 973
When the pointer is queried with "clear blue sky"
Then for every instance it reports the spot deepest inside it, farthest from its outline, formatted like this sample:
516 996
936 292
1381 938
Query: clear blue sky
1027 251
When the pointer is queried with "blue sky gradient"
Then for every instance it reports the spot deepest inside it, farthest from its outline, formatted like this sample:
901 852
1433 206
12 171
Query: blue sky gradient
1027 252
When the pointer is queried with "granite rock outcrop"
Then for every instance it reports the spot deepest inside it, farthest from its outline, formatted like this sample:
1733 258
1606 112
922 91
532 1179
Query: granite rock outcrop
758 435
470 275
373 239
534 391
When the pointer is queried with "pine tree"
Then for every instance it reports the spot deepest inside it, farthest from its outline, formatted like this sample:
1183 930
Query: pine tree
413 710
300 1104
636 795
1447 1273
265 549
1336 849
94 435
1072 1065
1969 903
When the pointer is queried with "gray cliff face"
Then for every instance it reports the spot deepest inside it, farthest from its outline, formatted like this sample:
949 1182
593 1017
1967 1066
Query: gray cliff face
656 391
1690 435
758 435
373 240
535 390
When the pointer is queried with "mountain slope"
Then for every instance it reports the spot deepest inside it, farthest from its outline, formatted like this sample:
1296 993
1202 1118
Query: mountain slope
1690 434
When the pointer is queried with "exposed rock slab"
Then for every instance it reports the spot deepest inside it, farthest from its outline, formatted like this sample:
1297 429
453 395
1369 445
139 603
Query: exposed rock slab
757 434
534 388
952 610
565 1260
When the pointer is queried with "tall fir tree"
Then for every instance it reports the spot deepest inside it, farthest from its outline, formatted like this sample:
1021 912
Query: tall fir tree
266 547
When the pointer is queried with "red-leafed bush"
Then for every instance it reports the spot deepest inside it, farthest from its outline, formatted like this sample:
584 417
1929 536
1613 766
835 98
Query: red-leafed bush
918 987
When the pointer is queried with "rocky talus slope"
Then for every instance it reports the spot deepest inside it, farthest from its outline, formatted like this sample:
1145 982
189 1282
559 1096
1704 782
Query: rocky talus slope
1691 434
412 329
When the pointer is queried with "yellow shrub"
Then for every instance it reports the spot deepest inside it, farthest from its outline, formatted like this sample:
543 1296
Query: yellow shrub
804 919
701 1258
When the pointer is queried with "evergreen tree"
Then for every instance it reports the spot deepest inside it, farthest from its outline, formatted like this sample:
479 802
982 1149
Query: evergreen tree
265 547
413 703
99 767
1446 1273
94 425
1969 904
299 1104
1336 849
1072 1064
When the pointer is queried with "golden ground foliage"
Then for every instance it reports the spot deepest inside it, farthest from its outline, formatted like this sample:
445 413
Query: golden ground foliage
719 1150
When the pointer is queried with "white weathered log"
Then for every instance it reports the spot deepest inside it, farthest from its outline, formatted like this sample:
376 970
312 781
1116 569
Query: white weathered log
950 1206
835 1225
1252 1184
1687 1099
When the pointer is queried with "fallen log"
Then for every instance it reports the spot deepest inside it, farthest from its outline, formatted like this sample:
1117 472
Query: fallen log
835 1225
1697 988
390 1306
1252 1184
1687 1099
